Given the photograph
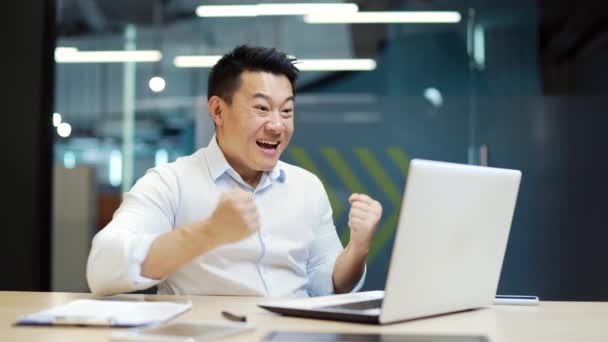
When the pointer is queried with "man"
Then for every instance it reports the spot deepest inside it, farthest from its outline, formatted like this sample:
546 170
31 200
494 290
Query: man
231 219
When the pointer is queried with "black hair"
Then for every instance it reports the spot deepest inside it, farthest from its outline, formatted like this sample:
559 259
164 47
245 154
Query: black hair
224 78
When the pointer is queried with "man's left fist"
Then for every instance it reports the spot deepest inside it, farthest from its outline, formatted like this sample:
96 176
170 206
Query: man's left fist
363 218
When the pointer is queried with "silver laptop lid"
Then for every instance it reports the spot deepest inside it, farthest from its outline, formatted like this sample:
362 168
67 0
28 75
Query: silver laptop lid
451 239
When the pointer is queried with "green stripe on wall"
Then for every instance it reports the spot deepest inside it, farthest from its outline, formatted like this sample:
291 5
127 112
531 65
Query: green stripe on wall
376 171
400 158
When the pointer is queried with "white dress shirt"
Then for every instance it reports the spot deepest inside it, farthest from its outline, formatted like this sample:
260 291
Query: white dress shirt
293 253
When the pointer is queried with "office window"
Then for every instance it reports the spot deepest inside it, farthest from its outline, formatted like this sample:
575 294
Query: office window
462 81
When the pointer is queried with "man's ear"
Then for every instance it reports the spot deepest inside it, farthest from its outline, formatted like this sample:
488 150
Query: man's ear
216 110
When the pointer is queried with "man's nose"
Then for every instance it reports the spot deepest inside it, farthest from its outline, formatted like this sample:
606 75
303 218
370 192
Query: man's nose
274 123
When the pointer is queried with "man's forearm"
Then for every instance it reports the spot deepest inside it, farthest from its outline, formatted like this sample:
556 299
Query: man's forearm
172 250
349 268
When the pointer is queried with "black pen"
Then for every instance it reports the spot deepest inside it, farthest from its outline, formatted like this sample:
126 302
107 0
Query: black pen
233 317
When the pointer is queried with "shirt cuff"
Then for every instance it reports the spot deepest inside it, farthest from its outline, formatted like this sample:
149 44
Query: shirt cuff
139 252
361 281
323 284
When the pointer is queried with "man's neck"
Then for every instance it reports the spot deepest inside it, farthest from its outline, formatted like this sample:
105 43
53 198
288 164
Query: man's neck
250 177
254 180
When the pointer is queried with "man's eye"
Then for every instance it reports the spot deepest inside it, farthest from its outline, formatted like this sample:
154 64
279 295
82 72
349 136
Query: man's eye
262 108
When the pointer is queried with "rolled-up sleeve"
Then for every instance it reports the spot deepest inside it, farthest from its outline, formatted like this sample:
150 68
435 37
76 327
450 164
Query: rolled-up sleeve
324 250
119 249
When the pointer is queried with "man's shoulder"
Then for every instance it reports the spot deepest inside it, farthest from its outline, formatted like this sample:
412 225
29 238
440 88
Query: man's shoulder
180 166
195 158
169 178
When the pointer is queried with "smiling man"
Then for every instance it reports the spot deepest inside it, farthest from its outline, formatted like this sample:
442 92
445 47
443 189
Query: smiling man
231 219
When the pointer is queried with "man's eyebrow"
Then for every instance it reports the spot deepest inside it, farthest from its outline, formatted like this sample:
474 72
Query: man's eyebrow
291 98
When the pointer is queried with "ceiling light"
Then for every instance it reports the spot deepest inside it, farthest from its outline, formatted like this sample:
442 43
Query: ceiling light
385 17
268 9
336 64
62 51
227 11
56 119
348 64
64 129
157 84
118 56
195 61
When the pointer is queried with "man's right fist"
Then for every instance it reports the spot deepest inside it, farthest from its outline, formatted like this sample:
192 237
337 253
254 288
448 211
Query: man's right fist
235 218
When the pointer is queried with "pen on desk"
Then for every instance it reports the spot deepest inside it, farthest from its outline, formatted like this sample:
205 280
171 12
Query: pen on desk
233 317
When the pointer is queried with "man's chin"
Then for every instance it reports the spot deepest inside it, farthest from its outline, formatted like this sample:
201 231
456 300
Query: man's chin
267 166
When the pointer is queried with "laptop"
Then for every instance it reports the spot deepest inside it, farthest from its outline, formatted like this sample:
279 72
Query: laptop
448 251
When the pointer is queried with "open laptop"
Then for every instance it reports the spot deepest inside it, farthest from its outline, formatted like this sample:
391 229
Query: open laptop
448 251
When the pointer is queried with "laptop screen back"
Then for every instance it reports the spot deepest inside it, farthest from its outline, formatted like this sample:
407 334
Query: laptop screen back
451 239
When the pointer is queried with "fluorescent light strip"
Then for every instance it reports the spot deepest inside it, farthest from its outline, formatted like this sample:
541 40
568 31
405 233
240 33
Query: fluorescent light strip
195 61
64 50
302 64
119 56
227 11
438 17
336 64
274 9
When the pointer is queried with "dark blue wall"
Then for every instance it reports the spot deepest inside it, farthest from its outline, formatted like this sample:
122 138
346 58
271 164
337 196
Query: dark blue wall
555 248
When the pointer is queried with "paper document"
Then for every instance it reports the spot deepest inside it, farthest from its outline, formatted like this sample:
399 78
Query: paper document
106 312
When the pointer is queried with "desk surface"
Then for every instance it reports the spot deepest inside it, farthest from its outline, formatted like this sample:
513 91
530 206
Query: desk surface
550 321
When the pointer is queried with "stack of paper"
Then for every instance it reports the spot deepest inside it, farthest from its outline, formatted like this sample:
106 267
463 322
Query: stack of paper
107 312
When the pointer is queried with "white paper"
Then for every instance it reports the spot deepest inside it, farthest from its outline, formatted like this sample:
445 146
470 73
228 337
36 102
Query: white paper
107 312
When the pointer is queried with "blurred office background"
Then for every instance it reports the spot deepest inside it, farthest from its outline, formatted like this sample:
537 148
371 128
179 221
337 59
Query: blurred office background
109 89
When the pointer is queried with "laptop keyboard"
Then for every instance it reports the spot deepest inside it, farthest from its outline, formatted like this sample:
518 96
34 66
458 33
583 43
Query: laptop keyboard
363 305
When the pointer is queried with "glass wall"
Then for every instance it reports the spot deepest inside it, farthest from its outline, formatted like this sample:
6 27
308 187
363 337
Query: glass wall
459 82
356 129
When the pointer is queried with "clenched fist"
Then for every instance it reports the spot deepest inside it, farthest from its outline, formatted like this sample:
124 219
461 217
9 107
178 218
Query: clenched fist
363 218
235 218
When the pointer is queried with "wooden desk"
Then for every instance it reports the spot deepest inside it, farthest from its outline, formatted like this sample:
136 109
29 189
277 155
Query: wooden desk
551 321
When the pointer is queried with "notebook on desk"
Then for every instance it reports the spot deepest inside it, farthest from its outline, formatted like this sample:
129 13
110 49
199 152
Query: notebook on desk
116 313
448 251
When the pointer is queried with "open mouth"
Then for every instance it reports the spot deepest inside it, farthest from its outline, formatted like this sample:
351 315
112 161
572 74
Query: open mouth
268 144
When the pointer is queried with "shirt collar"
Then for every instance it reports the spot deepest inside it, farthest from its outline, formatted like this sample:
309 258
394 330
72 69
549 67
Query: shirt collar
218 165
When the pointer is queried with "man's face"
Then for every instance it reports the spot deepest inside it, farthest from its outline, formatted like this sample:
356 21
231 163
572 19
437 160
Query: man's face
257 126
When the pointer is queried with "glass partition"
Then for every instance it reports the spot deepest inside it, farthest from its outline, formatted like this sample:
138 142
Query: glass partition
414 82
